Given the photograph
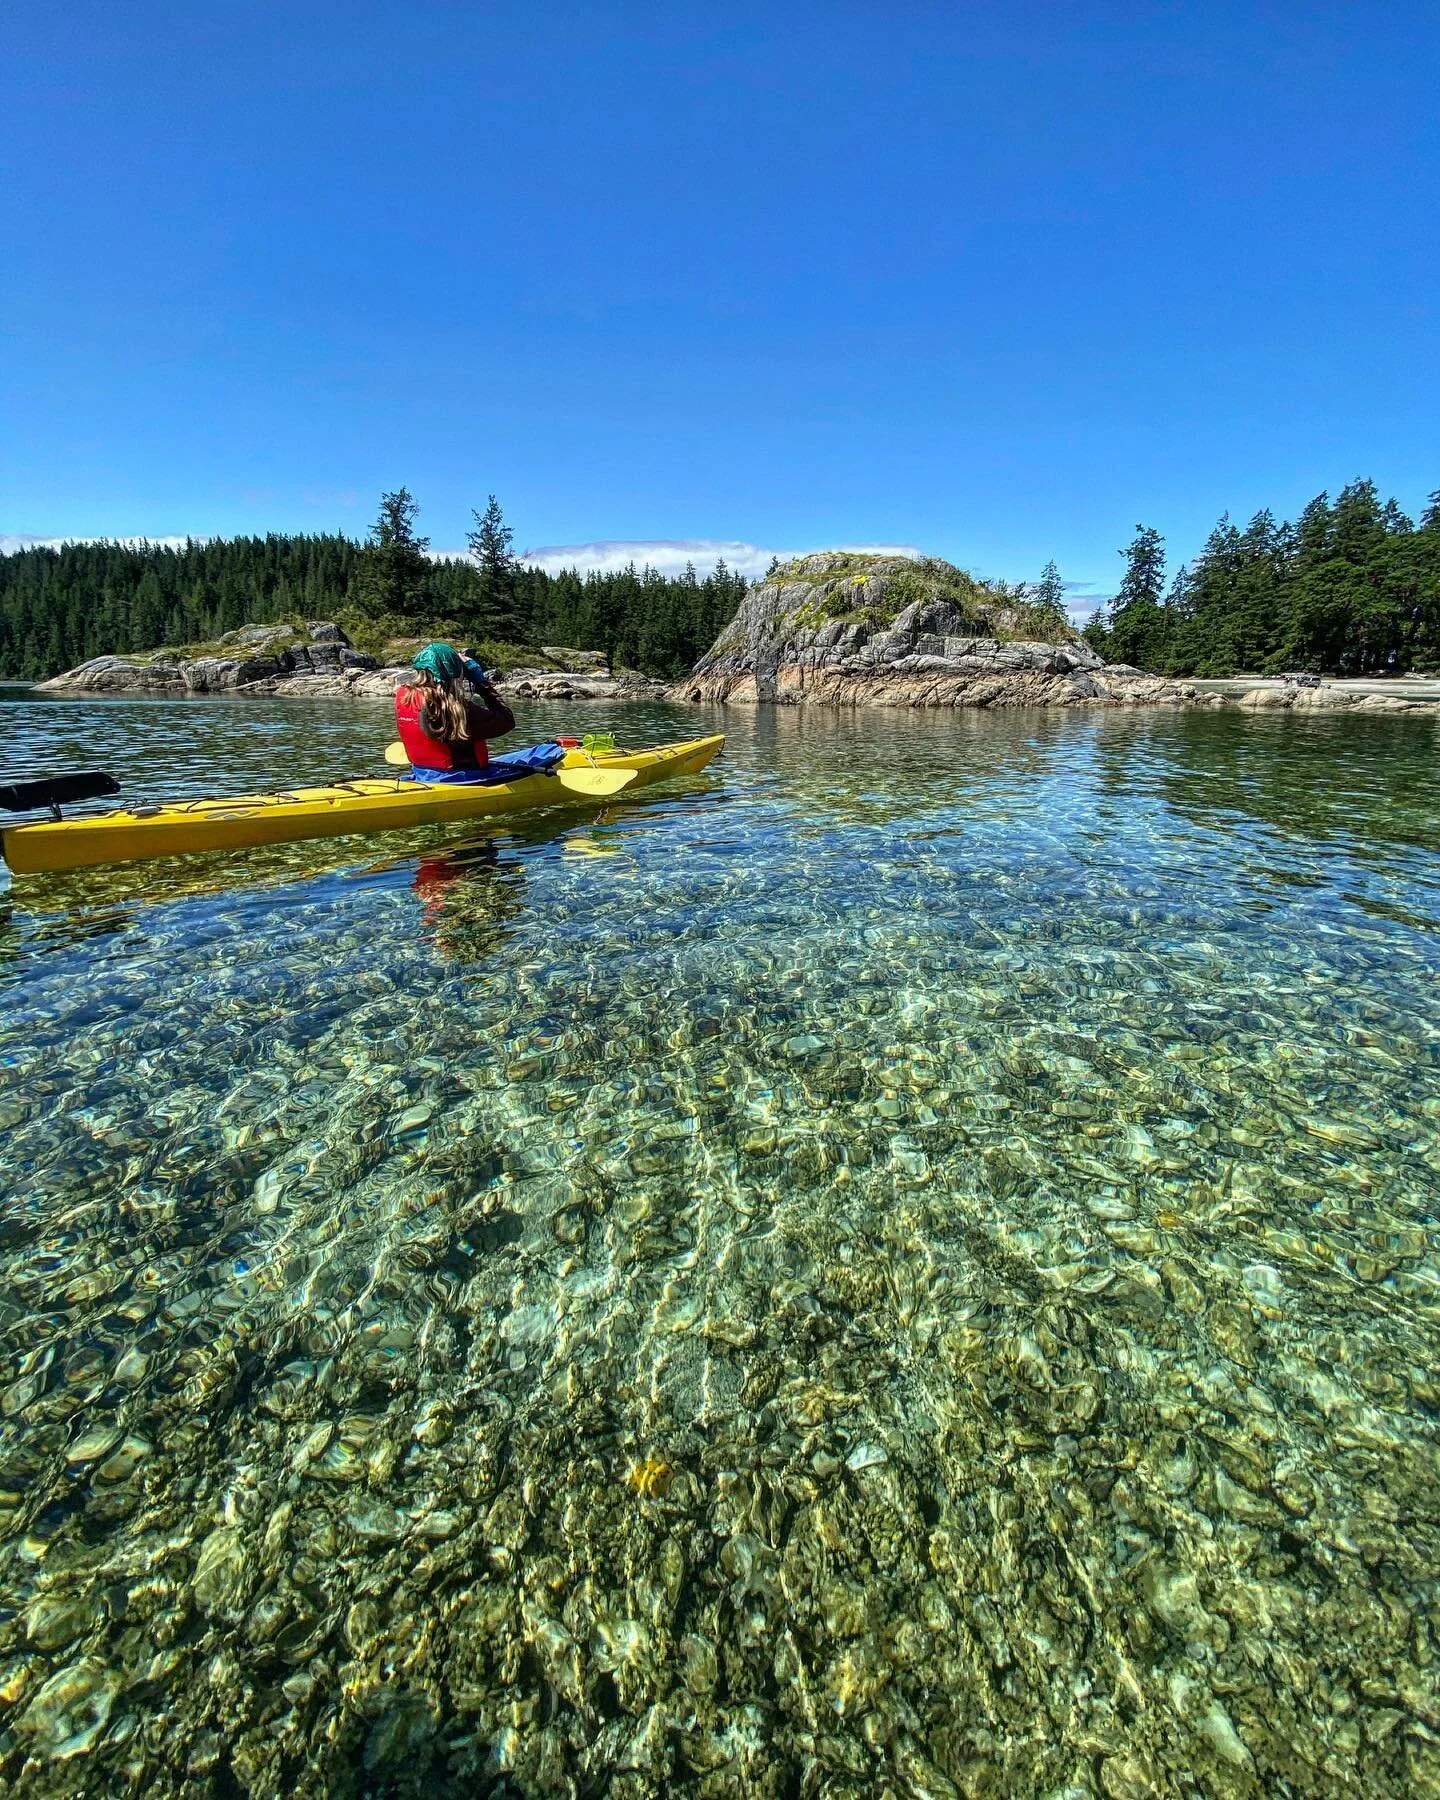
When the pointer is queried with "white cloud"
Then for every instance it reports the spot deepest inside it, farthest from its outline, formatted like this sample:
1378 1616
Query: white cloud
606 555
670 555
11 541
1081 601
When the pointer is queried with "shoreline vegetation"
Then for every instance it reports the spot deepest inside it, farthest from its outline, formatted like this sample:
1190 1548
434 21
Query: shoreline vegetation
60 608
1352 590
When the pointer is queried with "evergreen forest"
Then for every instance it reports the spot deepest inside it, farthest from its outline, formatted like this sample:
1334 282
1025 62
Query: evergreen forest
61 607
1352 587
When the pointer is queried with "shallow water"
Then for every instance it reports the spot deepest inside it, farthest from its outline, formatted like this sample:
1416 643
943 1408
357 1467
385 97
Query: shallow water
907 1263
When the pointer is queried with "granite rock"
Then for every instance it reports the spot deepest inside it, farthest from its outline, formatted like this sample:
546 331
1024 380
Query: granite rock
1291 698
527 684
345 682
120 675
317 669
223 674
580 662
849 630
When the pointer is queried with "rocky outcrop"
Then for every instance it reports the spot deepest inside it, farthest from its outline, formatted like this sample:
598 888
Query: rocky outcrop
588 682
1024 675
257 655
579 662
269 659
1293 698
849 630
372 683
551 684
121 675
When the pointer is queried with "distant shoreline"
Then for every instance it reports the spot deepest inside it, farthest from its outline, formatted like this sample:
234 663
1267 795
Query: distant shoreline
1404 687
1257 693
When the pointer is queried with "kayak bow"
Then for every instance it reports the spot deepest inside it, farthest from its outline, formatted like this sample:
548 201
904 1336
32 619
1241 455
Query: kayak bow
191 826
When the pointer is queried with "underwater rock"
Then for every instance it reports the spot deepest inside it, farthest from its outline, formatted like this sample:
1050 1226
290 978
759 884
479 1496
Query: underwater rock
865 1456
221 1572
533 1362
71 1710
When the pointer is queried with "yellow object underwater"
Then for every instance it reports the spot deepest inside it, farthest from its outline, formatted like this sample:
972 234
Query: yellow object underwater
190 826
650 1479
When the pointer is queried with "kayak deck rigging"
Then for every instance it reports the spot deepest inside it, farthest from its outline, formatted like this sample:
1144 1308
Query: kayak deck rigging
358 805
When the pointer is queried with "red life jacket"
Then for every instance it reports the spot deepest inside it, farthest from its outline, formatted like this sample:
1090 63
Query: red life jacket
426 752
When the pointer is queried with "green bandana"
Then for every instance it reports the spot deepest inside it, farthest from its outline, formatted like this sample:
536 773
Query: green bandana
441 661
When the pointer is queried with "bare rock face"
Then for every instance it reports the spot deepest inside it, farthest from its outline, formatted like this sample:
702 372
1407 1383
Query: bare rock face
222 674
258 637
853 630
541 684
120 675
363 680
1294 698
260 665
579 662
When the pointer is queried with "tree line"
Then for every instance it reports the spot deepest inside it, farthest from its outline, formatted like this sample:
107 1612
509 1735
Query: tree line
1352 587
59 607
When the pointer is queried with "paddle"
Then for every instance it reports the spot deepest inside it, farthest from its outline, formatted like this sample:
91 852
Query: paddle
598 783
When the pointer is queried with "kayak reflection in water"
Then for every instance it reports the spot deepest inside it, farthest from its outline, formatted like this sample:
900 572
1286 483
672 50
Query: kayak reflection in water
446 715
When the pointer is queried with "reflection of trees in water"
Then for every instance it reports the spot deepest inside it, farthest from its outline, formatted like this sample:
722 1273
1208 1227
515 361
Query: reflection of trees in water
469 898
1338 780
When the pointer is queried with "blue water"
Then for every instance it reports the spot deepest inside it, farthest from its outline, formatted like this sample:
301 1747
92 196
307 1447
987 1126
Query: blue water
904 1263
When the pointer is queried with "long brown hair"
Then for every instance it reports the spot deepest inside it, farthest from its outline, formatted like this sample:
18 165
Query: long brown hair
443 710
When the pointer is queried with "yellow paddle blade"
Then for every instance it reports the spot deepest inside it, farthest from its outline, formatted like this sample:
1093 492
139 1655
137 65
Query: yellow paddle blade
395 753
598 782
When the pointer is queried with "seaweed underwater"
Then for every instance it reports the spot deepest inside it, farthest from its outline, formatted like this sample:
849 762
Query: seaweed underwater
914 1271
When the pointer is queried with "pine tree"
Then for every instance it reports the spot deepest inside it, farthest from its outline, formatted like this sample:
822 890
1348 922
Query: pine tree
1139 628
498 597
1423 556
394 574
1144 569
1096 631
1050 593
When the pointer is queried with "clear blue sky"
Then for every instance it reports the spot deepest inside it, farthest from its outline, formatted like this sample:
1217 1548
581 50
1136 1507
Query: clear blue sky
998 280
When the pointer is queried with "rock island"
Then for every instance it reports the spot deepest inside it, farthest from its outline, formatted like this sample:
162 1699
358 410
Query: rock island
864 630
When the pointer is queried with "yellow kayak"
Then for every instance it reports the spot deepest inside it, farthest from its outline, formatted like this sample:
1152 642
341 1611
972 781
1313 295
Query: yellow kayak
314 812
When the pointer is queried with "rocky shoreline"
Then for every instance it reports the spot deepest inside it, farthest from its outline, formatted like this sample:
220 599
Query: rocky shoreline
1291 697
819 633
259 659
982 672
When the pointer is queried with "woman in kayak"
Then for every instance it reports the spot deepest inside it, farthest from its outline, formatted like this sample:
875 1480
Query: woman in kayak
446 715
